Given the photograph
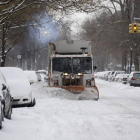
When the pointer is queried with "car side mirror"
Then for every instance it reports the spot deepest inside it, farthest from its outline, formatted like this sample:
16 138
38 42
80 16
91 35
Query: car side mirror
31 83
4 87
94 67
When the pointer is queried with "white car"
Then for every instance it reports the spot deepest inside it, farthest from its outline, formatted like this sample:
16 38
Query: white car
19 86
110 76
125 78
31 75
106 75
116 73
43 74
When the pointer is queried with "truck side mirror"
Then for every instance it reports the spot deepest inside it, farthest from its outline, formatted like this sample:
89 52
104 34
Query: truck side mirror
94 67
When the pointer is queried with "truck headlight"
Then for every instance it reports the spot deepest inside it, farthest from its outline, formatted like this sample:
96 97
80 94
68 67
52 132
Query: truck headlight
65 73
80 74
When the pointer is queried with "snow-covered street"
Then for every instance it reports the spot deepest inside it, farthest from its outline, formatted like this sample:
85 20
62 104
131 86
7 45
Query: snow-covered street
58 115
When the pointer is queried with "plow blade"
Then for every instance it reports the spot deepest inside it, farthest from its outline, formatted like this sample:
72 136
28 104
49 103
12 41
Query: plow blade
85 92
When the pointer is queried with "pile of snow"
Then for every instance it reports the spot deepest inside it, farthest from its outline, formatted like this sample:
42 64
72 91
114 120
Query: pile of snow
53 92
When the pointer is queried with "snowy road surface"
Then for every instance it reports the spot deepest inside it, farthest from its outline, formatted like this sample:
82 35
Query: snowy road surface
115 116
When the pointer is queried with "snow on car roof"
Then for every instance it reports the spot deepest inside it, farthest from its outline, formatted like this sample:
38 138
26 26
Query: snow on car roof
17 81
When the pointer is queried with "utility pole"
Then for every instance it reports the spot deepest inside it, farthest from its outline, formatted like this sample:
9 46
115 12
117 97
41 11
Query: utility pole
3 46
131 59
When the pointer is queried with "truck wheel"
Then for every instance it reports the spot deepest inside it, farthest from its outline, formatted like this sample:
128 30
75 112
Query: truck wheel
131 84
96 99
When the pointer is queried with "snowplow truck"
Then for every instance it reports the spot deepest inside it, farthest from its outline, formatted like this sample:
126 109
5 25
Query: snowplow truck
71 66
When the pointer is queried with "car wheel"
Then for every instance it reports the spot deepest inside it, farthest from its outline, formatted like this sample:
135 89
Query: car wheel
2 113
32 103
1 118
9 113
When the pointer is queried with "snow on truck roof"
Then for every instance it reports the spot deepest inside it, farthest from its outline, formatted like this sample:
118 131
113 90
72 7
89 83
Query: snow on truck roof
73 46
17 81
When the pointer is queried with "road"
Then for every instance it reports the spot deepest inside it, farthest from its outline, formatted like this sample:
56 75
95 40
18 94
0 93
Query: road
60 116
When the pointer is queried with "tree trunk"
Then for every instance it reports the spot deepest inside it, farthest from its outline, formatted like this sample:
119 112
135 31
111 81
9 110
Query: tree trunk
3 46
3 61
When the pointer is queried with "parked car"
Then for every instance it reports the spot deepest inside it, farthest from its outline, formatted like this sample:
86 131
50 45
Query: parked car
125 78
32 77
106 75
118 78
6 98
134 78
110 76
115 74
5 104
42 75
19 86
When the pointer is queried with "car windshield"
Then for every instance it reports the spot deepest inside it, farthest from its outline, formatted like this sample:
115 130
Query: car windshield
62 65
82 65
136 75
112 73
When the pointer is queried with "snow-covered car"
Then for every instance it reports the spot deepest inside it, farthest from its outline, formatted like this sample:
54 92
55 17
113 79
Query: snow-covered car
19 86
122 78
119 77
32 77
134 78
110 76
115 74
6 98
42 75
106 75
125 78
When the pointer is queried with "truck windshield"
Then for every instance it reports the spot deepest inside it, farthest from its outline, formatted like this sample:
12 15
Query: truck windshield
82 65
75 65
62 65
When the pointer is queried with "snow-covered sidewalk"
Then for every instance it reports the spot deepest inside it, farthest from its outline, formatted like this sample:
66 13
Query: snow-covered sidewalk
58 115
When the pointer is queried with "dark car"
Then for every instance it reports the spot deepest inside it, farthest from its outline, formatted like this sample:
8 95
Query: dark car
6 99
1 112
